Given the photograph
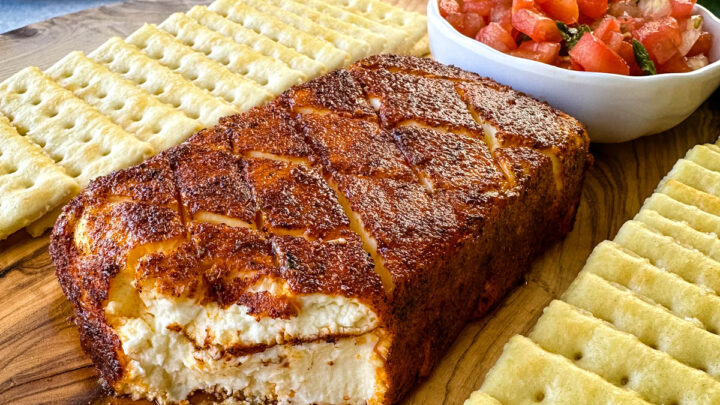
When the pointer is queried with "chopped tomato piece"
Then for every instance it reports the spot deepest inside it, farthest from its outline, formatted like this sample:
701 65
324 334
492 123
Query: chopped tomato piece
595 56
702 45
495 36
626 51
576 66
676 64
682 8
614 41
518 5
593 8
482 7
448 7
562 10
536 26
467 23
546 52
660 37
503 16
607 26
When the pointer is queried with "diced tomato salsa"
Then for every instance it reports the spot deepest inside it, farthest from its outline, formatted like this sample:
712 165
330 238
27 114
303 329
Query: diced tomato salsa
627 37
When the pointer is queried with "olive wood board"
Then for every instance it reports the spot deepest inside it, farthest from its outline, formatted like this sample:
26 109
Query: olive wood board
40 356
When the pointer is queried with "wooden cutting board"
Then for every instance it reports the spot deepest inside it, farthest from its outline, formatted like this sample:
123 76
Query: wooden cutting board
40 356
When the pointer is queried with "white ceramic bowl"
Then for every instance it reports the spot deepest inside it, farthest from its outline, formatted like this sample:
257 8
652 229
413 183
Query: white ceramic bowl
615 108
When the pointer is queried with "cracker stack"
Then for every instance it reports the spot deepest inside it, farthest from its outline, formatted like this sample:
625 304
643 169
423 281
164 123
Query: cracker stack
129 99
640 323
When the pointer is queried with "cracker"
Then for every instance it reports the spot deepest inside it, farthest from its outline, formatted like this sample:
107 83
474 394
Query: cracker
165 85
31 184
664 253
356 48
691 196
527 374
395 39
47 221
271 74
694 175
127 105
377 44
681 212
421 48
615 264
74 134
413 24
316 48
198 69
620 358
684 340
708 244
481 398
259 43
707 156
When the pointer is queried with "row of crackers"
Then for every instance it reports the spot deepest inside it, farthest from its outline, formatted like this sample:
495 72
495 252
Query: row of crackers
88 115
641 323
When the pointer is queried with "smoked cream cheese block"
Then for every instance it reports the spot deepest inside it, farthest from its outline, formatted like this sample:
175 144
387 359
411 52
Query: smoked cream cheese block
324 248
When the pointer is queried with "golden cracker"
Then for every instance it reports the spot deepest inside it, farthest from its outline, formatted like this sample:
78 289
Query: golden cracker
356 48
74 134
377 44
620 358
708 244
615 264
707 156
273 75
31 184
413 24
665 253
316 48
130 107
694 175
683 339
680 212
526 374
159 81
259 43
396 39
691 196
200 70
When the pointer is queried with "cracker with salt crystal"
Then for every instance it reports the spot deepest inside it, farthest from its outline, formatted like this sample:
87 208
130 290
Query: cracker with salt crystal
615 264
162 83
665 253
270 73
683 339
395 39
356 48
259 43
413 24
691 196
197 68
31 184
271 27
376 42
74 134
680 212
126 104
526 374
620 358
706 243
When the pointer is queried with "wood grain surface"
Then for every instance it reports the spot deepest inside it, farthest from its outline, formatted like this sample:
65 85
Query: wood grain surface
40 357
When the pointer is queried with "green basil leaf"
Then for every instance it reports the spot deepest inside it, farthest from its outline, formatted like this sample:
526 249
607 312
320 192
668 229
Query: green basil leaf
643 59
572 35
